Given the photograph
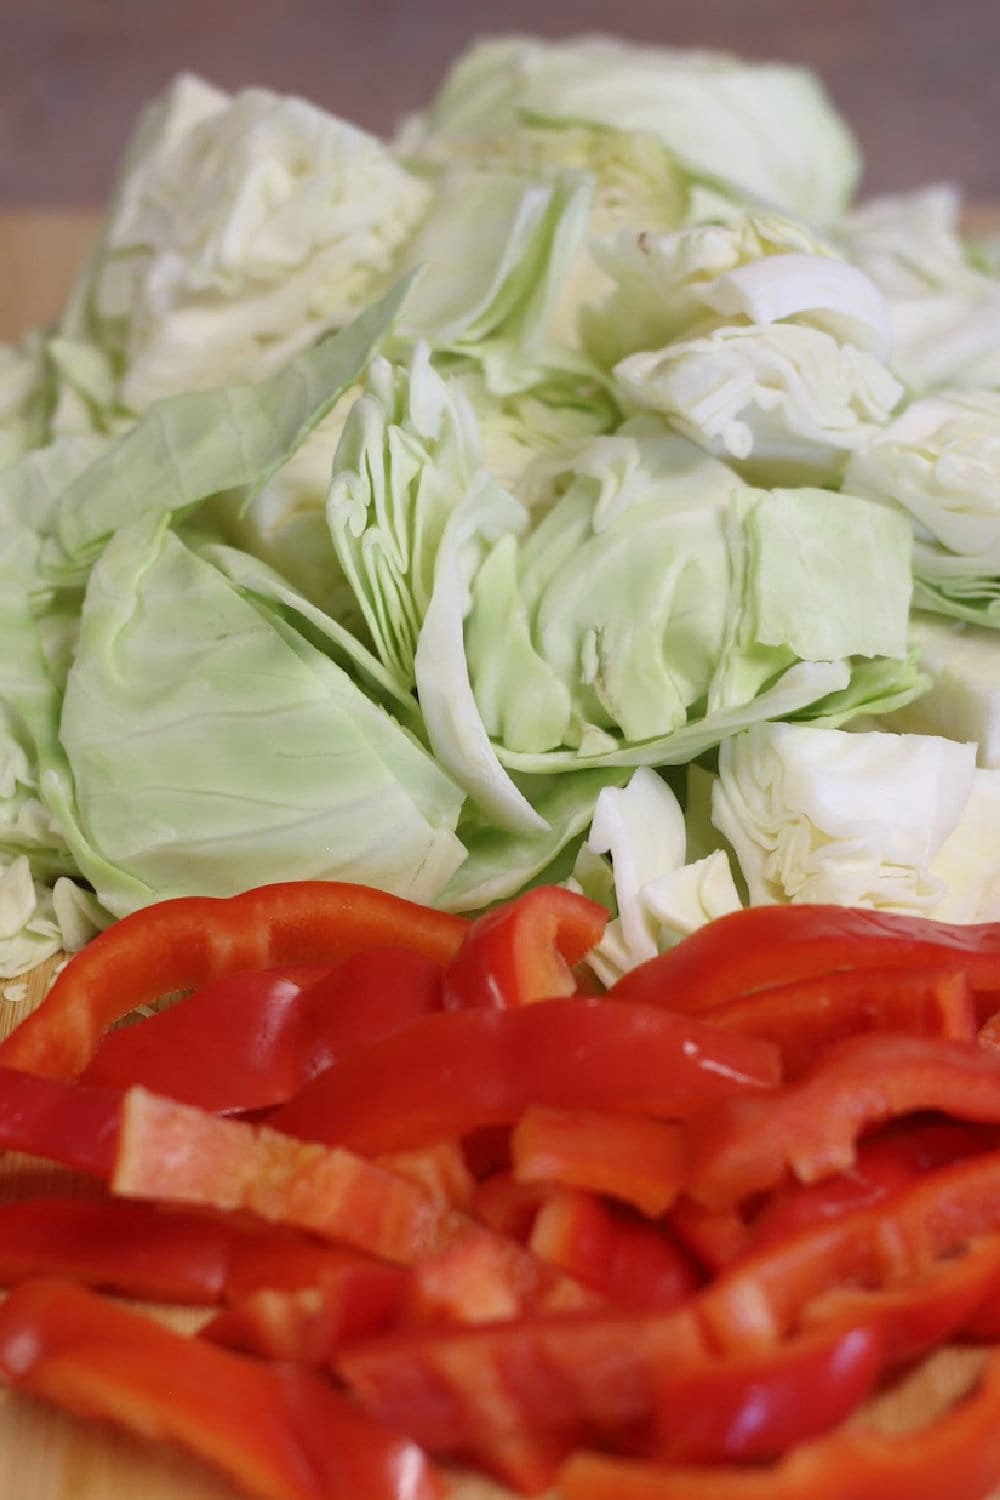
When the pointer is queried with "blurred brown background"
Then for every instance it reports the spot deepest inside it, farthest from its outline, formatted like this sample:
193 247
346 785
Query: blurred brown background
916 77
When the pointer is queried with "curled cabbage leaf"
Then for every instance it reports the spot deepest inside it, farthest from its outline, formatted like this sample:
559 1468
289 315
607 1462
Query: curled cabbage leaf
895 821
242 227
765 131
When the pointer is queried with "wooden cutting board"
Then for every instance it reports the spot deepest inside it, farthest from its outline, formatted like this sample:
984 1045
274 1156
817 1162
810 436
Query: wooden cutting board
43 1454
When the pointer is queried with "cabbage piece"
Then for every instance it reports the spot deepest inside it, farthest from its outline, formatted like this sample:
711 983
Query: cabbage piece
634 182
501 863
759 268
38 921
944 308
494 250
242 226
940 460
859 819
24 398
962 700
659 599
192 446
657 896
408 453
787 403
766 131
210 747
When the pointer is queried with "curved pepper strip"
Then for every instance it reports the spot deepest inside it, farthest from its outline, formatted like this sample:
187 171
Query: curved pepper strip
811 1127
629 1158
524 951
447 1074
280 1432
766 1293
532 1387
626 1259
764 946
805 1017
185 943
250 1041
957 1457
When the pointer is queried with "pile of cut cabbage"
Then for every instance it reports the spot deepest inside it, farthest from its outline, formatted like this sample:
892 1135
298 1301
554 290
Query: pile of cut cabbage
577 487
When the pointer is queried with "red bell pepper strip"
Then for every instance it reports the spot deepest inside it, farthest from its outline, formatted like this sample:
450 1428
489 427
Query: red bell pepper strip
279 1432
447 1074
184 943
627 1260
509 1206
252 1040
762 946
627 1157
144 1249
884 1165
177 1153
756 1405
524 951
62 1122
714 1236
804 1017
811 1127
924 1311
517 1396
957 1456
309 1324
440 1170
483 1277
503 1390
757 1300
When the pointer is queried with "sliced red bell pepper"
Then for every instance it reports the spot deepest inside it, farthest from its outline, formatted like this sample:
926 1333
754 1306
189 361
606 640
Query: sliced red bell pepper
279 1432
517 1396
308 1324
62 1122
525 950
627 1260
630 1158
714 1236
440 1170
764 1294
924 1311
811 1127
504 1389
176 1153
185 943
804 1017
508 1206
957 1456
447 1074
884 1165
483 1277
250 1041
762 946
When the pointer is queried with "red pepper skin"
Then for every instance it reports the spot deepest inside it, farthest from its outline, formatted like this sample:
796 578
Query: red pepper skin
604 1377
763 946
278 1432
884 1165
766 1293
185 943
309 1324
957 1457
714 1236
524 951
627 1260
804 1017
177 1153
62 1122
448 1074
631 1159
250 1041
755 1406
811 1127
